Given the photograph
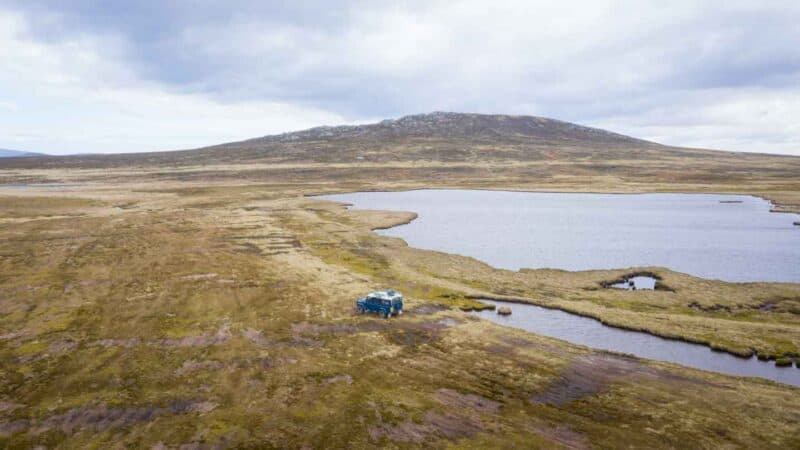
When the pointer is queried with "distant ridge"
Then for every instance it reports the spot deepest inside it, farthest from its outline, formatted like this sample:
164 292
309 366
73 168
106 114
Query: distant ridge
438 137
6 153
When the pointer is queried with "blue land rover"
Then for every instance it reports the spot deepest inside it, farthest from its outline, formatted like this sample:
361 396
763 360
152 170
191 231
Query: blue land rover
385 303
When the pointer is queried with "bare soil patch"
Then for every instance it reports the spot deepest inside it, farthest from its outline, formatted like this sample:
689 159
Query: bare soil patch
586 376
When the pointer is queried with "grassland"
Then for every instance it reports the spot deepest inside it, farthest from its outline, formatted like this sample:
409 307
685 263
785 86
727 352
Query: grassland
151 311
162 302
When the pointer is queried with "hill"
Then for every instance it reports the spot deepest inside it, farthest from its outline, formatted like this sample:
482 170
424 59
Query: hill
458 125
6 153
438 136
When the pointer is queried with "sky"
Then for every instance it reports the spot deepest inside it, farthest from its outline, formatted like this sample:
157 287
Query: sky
108 77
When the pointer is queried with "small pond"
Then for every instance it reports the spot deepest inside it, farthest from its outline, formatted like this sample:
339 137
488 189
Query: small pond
636 283
592 333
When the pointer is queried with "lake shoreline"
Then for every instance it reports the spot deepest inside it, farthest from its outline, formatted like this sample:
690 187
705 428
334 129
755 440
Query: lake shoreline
740 352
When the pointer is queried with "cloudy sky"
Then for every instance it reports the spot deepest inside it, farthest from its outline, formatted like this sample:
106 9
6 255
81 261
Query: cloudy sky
99 76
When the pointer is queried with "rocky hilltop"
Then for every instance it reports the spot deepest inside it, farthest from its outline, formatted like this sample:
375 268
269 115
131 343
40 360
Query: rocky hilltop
459 125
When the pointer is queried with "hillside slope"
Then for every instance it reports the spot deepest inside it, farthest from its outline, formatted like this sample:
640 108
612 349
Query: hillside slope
438 136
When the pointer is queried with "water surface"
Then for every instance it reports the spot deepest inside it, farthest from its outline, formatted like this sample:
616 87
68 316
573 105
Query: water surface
592 333
701 234
639 282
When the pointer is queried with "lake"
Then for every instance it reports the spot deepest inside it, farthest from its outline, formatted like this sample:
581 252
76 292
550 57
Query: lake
714 236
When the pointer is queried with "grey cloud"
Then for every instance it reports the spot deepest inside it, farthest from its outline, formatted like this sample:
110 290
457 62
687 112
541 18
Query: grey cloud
581 61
